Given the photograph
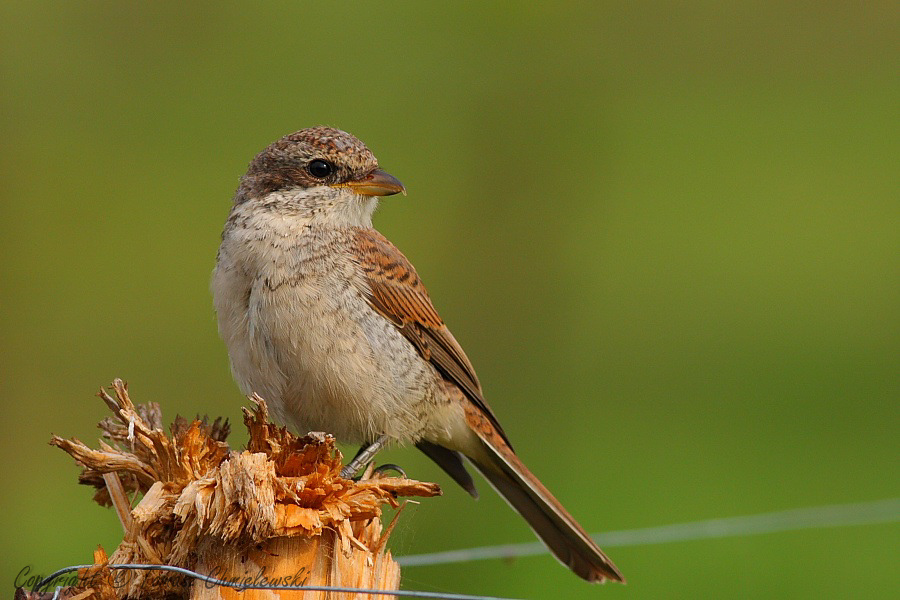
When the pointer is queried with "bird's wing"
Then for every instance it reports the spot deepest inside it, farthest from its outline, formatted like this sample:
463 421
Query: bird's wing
394 289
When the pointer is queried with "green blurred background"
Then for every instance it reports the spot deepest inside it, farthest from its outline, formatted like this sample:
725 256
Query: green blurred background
666 236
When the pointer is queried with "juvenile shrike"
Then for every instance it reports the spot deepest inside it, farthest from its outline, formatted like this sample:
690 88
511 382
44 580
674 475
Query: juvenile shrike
329 322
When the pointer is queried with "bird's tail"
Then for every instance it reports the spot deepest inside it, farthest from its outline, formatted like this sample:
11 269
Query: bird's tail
550 521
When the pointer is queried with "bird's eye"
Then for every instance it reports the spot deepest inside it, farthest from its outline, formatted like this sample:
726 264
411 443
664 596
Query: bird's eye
320 169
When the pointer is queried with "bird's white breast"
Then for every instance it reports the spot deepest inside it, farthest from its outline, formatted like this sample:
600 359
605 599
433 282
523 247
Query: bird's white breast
301 334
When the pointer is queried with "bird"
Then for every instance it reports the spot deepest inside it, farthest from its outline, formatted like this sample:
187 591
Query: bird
329 322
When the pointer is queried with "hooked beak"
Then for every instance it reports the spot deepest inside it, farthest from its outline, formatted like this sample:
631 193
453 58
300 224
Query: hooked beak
376 183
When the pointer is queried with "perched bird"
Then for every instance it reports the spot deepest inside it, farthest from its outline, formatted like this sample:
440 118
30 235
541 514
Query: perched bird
329 322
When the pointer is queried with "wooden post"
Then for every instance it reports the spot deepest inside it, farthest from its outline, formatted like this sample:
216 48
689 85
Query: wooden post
277 513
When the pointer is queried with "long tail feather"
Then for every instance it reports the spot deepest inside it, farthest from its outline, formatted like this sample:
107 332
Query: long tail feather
550 521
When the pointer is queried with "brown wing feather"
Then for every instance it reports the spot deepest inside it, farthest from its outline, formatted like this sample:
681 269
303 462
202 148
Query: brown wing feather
395 291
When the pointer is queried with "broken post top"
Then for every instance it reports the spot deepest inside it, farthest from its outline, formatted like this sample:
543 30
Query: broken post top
196 489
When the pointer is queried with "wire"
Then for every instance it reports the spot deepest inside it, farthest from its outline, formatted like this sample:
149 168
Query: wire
834 515
241 587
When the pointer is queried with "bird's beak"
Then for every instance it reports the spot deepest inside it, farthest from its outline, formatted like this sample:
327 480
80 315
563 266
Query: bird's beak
376 183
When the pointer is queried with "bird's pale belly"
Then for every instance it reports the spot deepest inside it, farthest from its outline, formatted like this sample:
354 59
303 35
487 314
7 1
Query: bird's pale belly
336 365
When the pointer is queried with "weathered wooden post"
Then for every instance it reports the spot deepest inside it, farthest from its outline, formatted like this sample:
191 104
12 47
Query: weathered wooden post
277 513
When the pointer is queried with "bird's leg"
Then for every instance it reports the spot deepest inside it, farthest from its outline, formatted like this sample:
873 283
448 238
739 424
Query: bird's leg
365 454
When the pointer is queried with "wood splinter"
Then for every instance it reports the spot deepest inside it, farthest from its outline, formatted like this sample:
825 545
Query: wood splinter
276 513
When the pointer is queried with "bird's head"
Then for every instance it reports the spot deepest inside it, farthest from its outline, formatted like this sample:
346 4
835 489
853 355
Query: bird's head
319 172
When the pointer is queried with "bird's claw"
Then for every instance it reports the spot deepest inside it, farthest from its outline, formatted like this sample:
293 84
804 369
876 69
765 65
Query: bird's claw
389 467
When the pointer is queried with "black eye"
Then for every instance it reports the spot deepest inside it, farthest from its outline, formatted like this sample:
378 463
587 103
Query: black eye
320 169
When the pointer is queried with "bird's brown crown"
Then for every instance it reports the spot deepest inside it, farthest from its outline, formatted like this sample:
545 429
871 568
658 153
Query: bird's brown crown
310 157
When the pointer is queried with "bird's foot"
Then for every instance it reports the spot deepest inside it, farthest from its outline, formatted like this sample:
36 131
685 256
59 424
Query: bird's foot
381 470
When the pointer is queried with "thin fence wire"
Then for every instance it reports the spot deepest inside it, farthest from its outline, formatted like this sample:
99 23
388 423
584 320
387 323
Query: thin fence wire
212 581
834 515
